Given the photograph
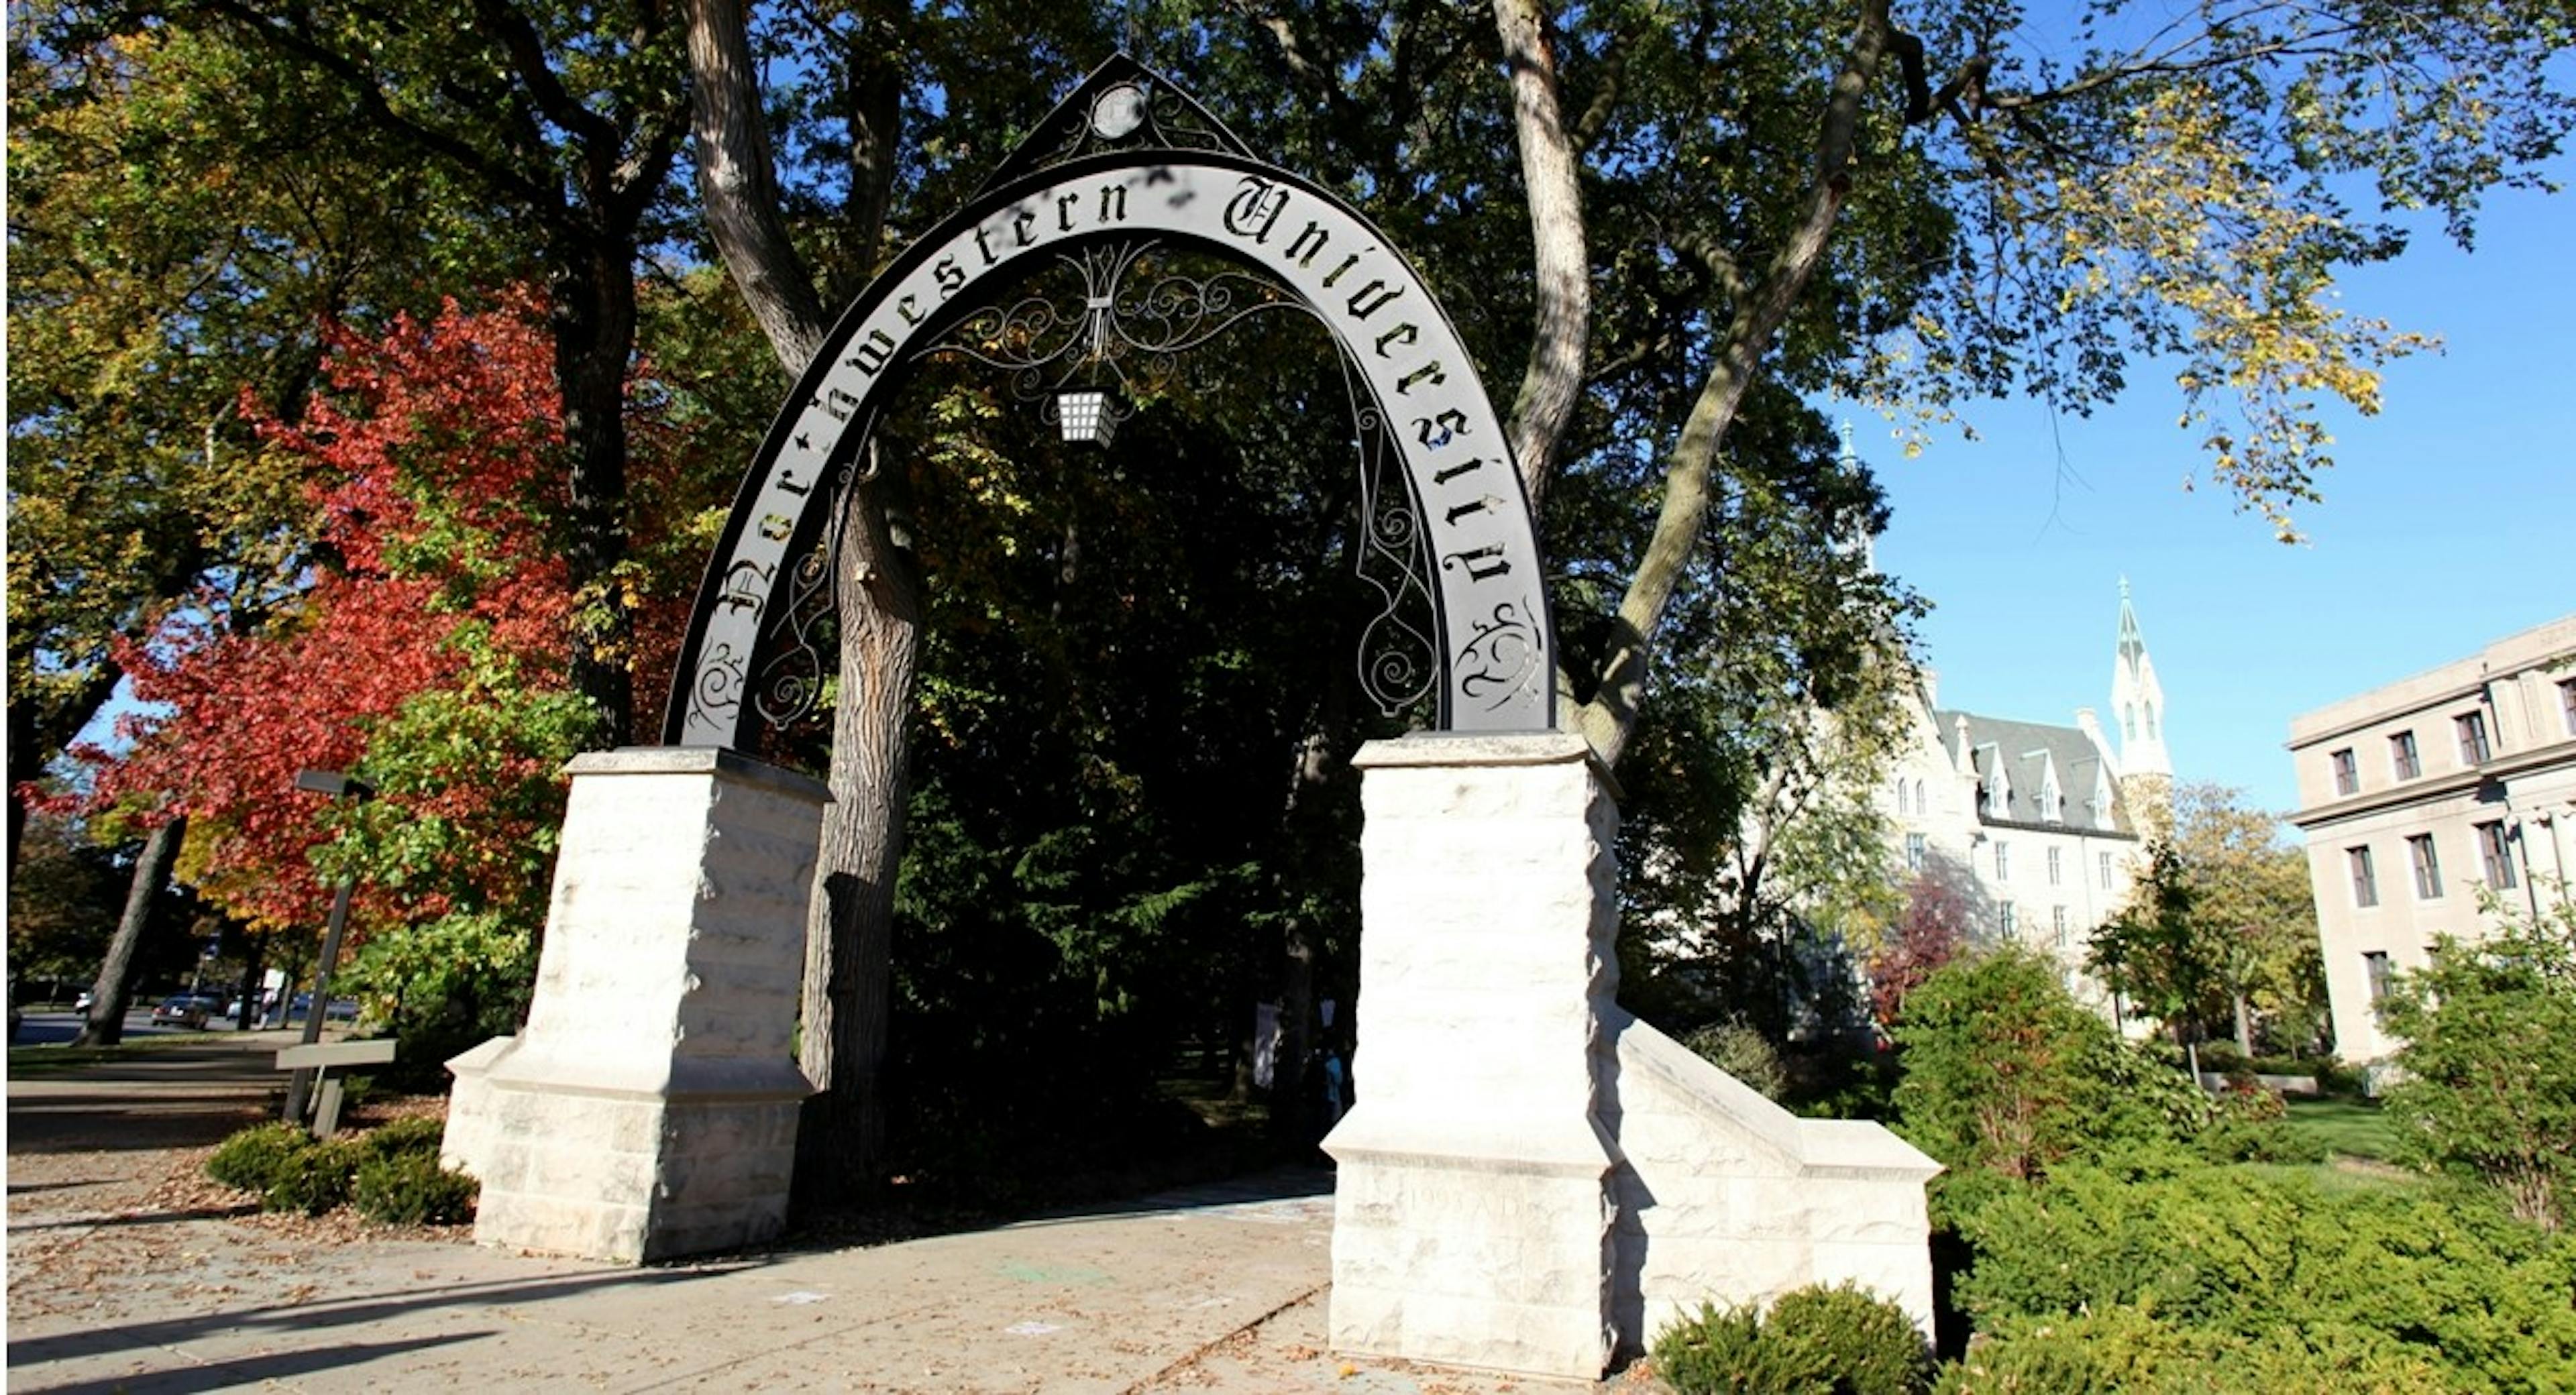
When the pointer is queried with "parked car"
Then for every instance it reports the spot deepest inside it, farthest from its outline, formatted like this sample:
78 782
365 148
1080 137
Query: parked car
185 1010
341 1009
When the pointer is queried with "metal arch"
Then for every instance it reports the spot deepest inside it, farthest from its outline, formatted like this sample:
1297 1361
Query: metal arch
1490 635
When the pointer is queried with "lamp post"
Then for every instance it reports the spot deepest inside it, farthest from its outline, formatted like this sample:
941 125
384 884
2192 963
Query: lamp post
337 785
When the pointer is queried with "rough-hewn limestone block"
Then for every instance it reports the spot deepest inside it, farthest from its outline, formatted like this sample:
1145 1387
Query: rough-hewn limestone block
1726 1197
650 1108
1472 1217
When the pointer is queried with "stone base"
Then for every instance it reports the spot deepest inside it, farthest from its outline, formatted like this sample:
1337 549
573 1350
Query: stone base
649 1109
630 1177
1488 1252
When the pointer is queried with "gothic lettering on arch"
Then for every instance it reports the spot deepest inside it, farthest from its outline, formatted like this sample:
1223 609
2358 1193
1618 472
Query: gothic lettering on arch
1164 171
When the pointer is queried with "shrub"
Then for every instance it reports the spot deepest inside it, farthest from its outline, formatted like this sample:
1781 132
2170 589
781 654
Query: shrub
253 1159
2421 1273
2005 1071
2488 1068
415 1135
1744 1053
314 1180
410 1188
2130 1350
1814 1341
2248 1127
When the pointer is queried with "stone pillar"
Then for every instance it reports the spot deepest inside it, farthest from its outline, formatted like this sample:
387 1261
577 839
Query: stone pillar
649 1109
1473 1212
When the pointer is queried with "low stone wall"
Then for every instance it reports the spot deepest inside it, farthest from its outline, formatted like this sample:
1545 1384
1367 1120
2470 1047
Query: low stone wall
2214 1082
1725 1197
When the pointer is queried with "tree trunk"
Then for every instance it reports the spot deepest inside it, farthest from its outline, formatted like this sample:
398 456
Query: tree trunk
593 314
1552 382
850 920
249 1012
106 1024
2244 1023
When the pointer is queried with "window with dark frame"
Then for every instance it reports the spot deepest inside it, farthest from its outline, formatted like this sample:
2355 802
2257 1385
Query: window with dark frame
2496 855
2472 727
1914 852
2402 758
2427 865
2347 771
2374 962
2365 881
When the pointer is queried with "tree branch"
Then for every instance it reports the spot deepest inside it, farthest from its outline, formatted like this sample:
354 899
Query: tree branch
738 184
1610 719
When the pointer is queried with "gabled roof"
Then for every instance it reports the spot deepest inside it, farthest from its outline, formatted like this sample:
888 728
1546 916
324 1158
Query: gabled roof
2025 751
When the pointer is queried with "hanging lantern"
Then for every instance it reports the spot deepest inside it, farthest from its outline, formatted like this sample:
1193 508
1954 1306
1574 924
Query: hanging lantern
1085 415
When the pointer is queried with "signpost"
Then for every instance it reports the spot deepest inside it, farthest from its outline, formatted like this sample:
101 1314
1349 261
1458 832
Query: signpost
336 784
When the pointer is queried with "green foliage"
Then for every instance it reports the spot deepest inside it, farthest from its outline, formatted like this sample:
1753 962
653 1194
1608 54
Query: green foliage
1744 1053
2488 1085
312 1179
2372 1278
402 1137
2130 1350
2005 1072
2250 1125
391 1172
1813 1341
254 1158
408 1187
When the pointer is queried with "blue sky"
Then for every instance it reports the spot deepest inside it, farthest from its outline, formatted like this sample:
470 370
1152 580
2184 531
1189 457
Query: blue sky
2449 521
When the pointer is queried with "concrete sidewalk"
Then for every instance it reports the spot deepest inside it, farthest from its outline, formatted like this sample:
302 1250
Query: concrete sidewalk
1212 1289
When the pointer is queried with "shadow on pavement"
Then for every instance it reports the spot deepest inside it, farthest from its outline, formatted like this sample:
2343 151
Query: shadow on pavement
317 1316
203 1213
249 1370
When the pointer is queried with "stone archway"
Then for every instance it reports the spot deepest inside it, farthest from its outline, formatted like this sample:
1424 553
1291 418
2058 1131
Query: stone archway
1530 1179
1126 159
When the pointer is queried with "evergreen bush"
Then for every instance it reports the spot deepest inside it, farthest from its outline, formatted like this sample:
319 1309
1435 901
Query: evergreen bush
410 1188
313 1180
253 1159
2372 1277
1744 1053
414 1135
1814 1341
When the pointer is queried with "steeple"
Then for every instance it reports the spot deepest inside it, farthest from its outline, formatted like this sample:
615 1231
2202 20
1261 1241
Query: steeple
2138 707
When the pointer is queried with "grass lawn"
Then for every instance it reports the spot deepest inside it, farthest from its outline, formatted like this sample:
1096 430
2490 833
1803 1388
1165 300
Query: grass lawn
26 1062
2353 1128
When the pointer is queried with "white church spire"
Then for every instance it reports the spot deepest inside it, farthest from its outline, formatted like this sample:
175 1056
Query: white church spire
2137 700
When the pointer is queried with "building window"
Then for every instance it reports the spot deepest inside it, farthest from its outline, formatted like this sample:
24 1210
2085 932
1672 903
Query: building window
1914 852
2365 882
2496 855
2106 871
2428 866
1900 798
2057 921
2003 860
2473 737
2008 919
2402 759
2347 772
2567 703
2056 867
2375 963
1920 806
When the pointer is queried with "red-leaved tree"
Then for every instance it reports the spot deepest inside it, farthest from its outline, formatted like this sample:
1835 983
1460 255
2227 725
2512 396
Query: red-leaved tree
426 647
1930 933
